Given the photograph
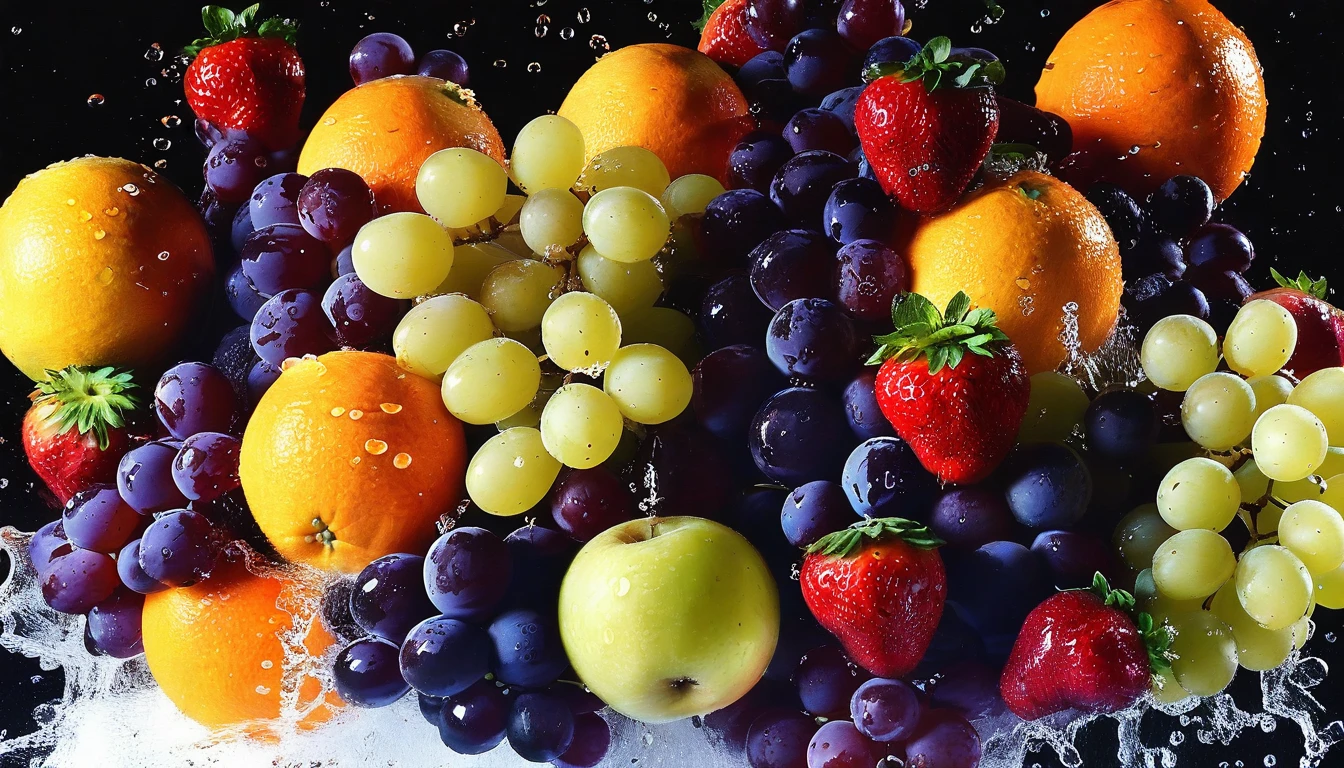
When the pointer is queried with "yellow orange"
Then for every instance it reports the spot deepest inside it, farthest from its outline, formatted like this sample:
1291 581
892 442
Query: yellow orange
1155 88
102 262
348 457
385 129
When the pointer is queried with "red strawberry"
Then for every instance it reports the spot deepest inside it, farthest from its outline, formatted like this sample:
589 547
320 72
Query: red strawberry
960 413
879 587
723 36
1320 326
247 76
75 431
1083 649
926 125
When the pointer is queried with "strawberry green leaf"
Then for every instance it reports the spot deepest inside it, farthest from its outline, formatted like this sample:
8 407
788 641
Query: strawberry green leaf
934 67
223 25
850 541
247 15
1157 639
710 6
88 400
218 21
1302 283
922 330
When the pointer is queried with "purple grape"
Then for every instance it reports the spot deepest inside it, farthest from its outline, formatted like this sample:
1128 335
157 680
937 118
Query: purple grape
260 378
953 640
527 649
445 65
592 739
366 673
970 517
96 518
818 61
114 624
679 467
1047 486
729 726
234 167
1162 255
345 261
754 162
361 318
1122 213
778 738
275 200
1121 424
443 656
838 744
885 710
798 436
1221 289
389 598
241 227
206 466
431 707
540 557
132 575
195 397
732 314
589 501
467 573
883 478
861 409
472 722
282 256
334 204
858 209
179 549
997 585
868 277
1219 248
1074 557
891 50
47 543
729 386
943 740
210 134
381 54
814 128
145 477
234 357
826 680
766 65
862 23
541 727
284 160
841 103
813 510
1181 205
75 581
581 701
814 340
802 185
735 222
970 687
792 264
1023 124
242 297
770 23
290 324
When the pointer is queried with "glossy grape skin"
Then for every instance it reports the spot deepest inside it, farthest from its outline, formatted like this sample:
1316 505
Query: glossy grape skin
943 739
47 543
75 581
885 710
826 680
359 317
1122 213
540 727
114 624
792 264
997 585
194 397
445 65
803 183
814 128
1121 424
467 572
234 167
206 466
527 649
1219 248
799 435
770 23
1074 557
274 200
333 204
1048 486
282 256
381 54
813 510
443 656
233 357
1181 205
132 575
891 50
431 707
838 744
587 502
970 517
884 478
96 518
814 340
180 548
971 687
756 159
868 276
260 378
778 738
819 61
731 314
858 209
472 722
862 23
735 222
677 468
729 386
592 740
240 227
766 65
291 324
388 597
145 477
242 297
366 673
540 558
1022 124
859 399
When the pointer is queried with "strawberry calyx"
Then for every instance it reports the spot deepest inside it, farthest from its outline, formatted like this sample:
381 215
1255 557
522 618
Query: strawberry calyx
934 67
90 400
710 6
1315 288
848 542
1156 638
224 25
944 337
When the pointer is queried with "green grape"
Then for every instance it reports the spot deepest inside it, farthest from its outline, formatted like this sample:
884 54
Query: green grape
666 327
1198 493
1307 488
648 383
1322 393
1178 350
1333 493
1193 564
1166 690
626 224
625 167
1218 411
1330 589
530 338
1260 339
626 287
517 293
581 332
1289 443
1205 653
530 414
460 186
1151 600
1274 586
471 263
1269 392
551 219
490 381
1315 533
1301 632
690 194
511 240
548 154
508 211
402 255
1258 649
511 473
1251 481
431 336
581 426
1054 410
1138 535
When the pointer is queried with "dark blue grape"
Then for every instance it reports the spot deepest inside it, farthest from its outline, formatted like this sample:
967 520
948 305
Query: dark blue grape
592 739
863 23
1023 124
798 436
234 167
180 548
96 518
75 580
443 656
792 264
1181 205
754 162
826 680
885 710
1074 557
291 324
47 543
1047 486
838 744
234 357
970 687
345 262
360 317
1121 424
467 572
997 585
132 575
729 386
891 50
381 54
858 209
388 597
953 639
969 517
1162 255
814 128
274 200
814 340
472 722
431 707
868 277
541 727
804 181
283 256
1222 289
243 298
589 501
842 103
737 221
943 738
334 204
145 477
729 726
778 738
1219 248
679 467
865 417
819 61
445 65
770 23
260 379
540 557
527 649
195 397
114 624
366 673
766 65
883 478
813 510
1122 213
241 227
206 466
732 314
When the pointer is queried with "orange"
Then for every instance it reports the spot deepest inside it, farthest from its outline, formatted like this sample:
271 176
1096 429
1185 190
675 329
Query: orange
1027 247
218 649
384 129
1155 88
102 262
347 458
673 101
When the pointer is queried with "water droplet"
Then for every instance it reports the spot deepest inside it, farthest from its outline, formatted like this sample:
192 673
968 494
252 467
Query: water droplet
534 67
1023 283
337 411
160 163
85 216
163 255
15 30
401 460
375 446
623 587
500 63
584 15
541 30
96 100
1045 13
354 461
150 82
162 144
567 33
608 636
105 276
391 407
599 43
99 234
328 121
356 414
154 53
263 690
267 664
170 121
130 189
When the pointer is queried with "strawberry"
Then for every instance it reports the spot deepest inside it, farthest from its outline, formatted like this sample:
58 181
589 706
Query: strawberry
723 33
75 431
1320 326
1084 649
879 587
959 413
926 125
247 76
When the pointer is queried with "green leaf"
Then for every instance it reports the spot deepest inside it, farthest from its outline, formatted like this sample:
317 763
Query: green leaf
91 401
219 21
957 308
1316 288
938 49
850 541
994 73
276 27
910 308
247 15
710 6
963 80
921 329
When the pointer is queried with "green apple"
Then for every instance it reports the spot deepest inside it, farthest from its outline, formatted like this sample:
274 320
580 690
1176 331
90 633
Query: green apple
669 617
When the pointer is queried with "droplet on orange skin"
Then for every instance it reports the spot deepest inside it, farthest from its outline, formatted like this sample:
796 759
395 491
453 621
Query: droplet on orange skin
337 411
356 414
375 446
391 408
401 460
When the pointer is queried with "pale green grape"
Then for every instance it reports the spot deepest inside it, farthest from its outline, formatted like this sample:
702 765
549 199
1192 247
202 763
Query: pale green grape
1269 392
1322 393
471 263
1151 600
1301 632
625 167
1178 350
512 472
1205 653
1055 409
508 211
626 224
1260 339
402 255
1218 411
431 336
551 219
1138 535
690 194
511 240
1330 589
1258 649
1289 443
1333 495
1274 586
581 426
648 383
1193 564
490 381
530 414
626 287
1166 690
1198 493
1251 481
460 186
581 332
1306 488
530 338
548 154
1315 533
666 327
517 293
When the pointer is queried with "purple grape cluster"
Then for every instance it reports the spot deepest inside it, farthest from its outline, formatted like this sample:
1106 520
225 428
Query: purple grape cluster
383 54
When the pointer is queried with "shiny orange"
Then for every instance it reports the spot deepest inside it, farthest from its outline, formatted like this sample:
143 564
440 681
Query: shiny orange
673 101
348 457
1155 88
384 129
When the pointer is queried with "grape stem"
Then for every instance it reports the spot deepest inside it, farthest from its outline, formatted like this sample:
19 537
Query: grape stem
1250 513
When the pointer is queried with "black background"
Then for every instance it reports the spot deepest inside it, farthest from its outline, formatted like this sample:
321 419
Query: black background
55 55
